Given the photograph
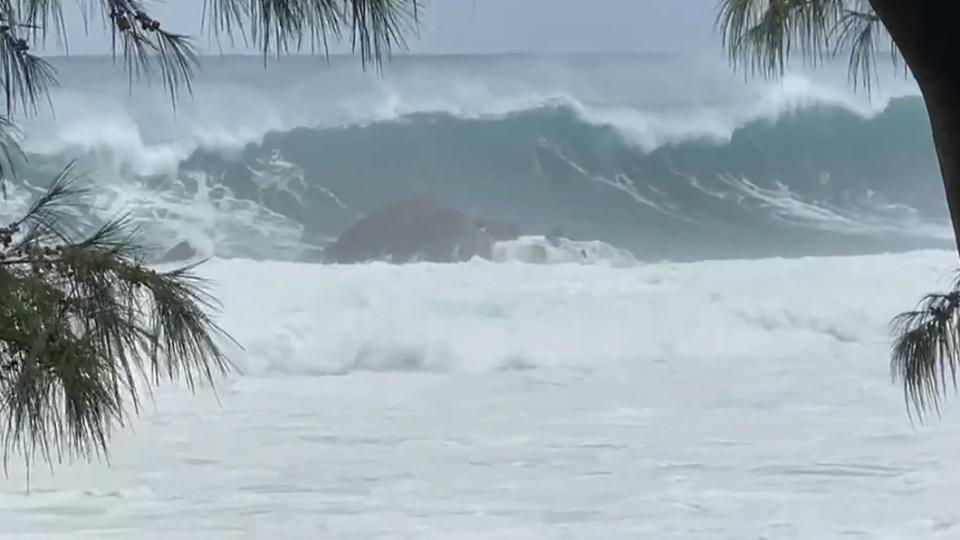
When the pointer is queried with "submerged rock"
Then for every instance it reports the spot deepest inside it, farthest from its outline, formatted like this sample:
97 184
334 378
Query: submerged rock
181 252
411 231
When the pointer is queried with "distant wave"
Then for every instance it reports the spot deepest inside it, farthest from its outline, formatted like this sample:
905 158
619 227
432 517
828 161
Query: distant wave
797 167
234 116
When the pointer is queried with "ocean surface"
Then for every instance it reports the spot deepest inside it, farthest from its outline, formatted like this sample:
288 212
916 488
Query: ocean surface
717 368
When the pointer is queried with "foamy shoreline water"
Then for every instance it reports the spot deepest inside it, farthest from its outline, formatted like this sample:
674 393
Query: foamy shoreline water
735 399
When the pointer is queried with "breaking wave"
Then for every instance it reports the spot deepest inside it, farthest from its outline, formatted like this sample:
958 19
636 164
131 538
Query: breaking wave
796 168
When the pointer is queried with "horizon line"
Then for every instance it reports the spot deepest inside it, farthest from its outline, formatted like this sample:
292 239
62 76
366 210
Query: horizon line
395 55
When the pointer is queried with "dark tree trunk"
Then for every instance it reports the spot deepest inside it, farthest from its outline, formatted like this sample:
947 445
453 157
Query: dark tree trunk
926 33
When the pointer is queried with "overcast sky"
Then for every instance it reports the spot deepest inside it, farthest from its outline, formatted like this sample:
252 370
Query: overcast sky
491 26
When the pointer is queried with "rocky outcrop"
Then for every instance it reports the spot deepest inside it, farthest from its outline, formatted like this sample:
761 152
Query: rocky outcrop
415 231
181 252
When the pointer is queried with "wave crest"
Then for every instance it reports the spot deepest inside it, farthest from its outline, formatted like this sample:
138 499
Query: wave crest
277 167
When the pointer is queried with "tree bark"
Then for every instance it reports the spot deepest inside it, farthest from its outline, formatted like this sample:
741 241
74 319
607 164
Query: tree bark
925 32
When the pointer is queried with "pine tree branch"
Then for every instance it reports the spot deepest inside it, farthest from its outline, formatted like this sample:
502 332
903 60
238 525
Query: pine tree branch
763 35
926 352
82 318
376 27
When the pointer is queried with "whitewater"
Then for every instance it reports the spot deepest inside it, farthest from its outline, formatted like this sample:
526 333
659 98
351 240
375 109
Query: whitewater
703 355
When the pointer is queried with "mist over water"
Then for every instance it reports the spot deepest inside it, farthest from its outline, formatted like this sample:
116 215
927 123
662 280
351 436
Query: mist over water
669 157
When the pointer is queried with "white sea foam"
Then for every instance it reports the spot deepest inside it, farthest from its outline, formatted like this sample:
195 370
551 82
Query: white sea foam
543 250
486 317
738 399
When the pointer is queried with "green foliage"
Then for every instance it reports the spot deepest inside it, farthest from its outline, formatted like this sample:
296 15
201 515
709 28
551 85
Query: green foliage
375 26
926 351
764 34
81 318
84 321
